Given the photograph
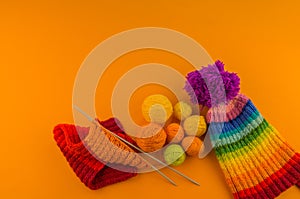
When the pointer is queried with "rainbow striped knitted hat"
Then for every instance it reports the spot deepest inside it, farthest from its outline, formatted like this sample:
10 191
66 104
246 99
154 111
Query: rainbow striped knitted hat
256 161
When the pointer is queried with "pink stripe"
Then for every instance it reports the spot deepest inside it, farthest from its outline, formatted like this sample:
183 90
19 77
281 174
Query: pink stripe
227 112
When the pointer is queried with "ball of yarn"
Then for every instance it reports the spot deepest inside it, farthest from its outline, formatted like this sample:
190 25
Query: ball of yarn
182 110
174 155
195 125
175 133
157 109
151 137
191 145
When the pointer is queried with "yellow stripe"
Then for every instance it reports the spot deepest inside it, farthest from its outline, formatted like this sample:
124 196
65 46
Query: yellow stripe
261 161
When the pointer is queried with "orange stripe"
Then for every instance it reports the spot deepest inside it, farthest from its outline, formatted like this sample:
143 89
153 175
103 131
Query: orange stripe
273 185
260 169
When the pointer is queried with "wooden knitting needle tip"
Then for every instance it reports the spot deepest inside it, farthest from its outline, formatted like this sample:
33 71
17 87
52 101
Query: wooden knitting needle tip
97 123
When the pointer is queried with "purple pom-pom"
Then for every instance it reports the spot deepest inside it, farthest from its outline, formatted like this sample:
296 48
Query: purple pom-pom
212 85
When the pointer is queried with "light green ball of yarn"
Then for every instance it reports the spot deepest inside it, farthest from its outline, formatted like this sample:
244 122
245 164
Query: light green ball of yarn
174 155
182 110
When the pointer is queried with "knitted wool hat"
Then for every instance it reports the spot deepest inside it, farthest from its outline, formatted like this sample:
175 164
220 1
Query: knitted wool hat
93 173
256 161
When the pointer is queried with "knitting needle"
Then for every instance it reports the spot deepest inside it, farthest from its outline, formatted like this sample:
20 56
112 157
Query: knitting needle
97 123
161 173
140 150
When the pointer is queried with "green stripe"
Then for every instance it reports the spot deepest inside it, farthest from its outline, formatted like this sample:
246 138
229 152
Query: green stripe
244 152
234 138
245 141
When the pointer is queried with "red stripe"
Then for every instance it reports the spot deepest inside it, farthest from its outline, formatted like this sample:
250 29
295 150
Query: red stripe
275 184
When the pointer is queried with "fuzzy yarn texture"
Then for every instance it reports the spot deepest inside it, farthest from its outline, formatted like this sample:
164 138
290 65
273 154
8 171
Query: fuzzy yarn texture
191 145
256 160
152 137
195 125
93 173
174 155
182 110
157 108
212 85
175 133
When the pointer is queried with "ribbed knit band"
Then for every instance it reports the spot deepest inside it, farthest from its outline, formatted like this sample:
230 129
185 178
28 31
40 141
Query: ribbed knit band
110 150
256 161
93 173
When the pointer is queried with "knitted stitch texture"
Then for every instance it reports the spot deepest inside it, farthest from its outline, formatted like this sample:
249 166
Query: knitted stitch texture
93 173
110 150
256 161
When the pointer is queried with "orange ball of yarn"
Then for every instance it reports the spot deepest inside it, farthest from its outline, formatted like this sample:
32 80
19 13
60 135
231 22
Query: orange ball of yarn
175 133
191 145
151 138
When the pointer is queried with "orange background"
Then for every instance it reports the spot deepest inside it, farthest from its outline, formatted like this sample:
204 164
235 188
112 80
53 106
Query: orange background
43 44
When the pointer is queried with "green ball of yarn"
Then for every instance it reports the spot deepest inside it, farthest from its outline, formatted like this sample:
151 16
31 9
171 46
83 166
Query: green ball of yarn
182 110
174 155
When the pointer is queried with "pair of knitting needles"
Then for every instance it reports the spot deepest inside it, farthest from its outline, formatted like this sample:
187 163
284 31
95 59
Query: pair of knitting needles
140 150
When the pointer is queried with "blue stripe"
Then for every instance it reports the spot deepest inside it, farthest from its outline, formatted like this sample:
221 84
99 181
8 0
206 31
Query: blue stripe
237 125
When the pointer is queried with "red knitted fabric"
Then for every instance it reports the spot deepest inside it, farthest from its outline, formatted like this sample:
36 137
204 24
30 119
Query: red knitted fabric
93 173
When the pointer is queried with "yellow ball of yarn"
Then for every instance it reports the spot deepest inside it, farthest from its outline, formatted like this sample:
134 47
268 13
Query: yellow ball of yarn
157 108
195 125
175 133
191 145
151 137
182 110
